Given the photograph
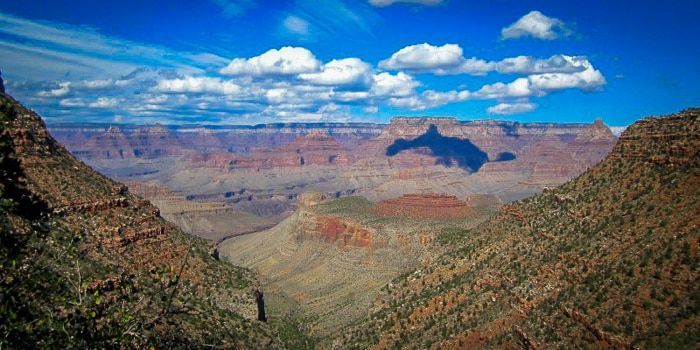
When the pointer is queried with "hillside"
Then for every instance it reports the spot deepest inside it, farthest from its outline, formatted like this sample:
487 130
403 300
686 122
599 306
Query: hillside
325 263
85 263
609 259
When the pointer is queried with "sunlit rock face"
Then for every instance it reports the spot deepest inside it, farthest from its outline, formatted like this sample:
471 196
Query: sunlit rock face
259 171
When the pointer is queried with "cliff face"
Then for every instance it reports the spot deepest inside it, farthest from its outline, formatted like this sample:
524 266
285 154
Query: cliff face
670 141
88 264
259 171
607 260
96 141
427 206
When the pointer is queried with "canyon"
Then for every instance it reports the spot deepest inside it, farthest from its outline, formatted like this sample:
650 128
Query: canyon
438 252
328 213
221 181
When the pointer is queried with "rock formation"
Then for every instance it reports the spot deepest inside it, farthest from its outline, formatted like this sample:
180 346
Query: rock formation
241 167
606 260
89 264
426 206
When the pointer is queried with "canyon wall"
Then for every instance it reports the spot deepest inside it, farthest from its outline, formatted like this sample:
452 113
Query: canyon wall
260 170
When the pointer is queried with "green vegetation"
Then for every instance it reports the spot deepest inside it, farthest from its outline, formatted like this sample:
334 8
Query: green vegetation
84 264
609 257
451 235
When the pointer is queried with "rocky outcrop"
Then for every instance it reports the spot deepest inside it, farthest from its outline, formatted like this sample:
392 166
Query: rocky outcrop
91 207
426 206
335 229
612 340
668 141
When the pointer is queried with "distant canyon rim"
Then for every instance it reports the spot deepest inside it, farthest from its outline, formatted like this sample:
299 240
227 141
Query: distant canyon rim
222 181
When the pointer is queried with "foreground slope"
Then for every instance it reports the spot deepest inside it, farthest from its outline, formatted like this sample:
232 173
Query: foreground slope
609 259
88 264
326 262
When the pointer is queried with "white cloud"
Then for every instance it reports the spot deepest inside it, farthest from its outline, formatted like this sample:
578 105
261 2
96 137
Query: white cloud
430 99
72 102
347 71
98 83
371 109
383 3
536 85
198 85
517 88
448 59
588 79
399 85
285 61
296 25
62 90
536 25
423 57
104 102
553 64
138 81
511 108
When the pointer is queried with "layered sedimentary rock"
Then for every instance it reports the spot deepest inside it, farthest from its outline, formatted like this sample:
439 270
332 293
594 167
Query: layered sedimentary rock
427 206
606 260
262 169
332 255
88 264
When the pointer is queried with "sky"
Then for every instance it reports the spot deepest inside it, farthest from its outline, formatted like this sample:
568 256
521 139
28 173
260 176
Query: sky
255 61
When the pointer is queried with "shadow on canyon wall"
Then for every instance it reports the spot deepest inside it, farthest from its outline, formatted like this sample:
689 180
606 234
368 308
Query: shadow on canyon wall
448 150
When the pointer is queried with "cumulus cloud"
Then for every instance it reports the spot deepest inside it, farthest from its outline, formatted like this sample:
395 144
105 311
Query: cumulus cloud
347 71
532 65
519 87
535 85
430 99
588 79
536 25
424 57
511 108
449 59
285 61
384 3
398 85
197 85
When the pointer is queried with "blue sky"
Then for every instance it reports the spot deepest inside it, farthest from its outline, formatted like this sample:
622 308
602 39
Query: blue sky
252 61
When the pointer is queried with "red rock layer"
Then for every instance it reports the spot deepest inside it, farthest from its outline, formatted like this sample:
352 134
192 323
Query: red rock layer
430 206
334 229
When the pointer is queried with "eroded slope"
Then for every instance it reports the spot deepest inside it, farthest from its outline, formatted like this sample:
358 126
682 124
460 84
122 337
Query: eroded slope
328 260
87 264
609 259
